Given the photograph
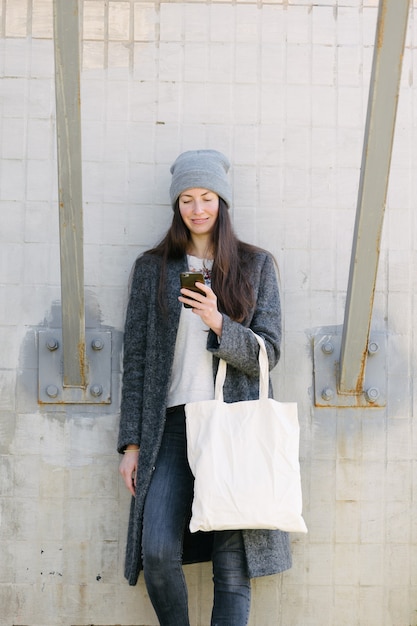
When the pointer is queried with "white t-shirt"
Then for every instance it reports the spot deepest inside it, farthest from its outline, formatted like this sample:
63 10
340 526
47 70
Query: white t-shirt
192 371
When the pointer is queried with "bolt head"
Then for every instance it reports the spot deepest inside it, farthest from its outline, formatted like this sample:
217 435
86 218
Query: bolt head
52 344
52 391
373 348
372 394
327 393
328 347
96 390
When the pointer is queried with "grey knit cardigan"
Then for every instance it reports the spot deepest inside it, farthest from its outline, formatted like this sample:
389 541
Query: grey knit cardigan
149 343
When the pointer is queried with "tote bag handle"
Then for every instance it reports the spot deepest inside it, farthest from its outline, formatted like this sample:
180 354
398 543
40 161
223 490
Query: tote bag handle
263 373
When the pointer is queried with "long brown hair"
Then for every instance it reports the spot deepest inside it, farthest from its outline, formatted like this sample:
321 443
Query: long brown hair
230 276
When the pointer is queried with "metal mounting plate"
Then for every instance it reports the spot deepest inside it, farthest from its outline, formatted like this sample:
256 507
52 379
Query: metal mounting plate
326 365
50 372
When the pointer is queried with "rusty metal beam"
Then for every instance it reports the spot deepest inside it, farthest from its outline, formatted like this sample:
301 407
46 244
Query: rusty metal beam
376 159
68 116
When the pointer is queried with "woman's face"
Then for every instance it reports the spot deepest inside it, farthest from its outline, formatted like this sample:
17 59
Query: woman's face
199 209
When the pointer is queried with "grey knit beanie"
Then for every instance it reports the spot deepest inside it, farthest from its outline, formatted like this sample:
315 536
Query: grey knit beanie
206 169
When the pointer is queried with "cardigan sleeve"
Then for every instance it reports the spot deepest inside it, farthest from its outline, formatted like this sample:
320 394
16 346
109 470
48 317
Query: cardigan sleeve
237 345
134 359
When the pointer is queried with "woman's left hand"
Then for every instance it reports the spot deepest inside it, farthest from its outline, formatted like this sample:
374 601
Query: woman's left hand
204 306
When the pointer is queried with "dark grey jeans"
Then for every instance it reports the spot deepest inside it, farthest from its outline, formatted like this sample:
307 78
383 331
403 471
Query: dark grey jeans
167 510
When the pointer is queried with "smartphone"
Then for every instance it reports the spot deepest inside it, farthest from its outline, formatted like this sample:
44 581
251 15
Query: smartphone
188 279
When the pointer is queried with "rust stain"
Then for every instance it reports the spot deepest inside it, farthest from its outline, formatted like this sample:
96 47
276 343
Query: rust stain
361 377
381 25
83 362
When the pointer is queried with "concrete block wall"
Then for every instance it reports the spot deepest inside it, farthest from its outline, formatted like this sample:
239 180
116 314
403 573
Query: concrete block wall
282 88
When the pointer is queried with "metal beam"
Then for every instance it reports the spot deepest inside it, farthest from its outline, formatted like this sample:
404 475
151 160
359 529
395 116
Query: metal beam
376 159
68 115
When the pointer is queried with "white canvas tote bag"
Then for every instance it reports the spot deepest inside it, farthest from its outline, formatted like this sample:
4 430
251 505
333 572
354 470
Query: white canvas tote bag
245 460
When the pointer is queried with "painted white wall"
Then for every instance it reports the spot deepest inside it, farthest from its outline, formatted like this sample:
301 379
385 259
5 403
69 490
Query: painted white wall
282 89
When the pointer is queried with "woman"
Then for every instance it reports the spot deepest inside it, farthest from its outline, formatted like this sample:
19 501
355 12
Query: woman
170 358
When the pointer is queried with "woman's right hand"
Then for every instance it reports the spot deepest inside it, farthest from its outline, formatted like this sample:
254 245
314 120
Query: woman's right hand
128 468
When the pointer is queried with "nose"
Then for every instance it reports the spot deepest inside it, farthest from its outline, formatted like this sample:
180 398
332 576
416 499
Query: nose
198 207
